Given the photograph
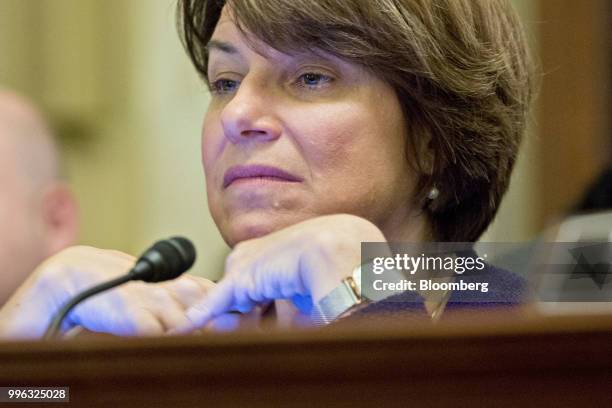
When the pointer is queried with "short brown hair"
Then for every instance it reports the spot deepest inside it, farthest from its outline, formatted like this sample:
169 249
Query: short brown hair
460 69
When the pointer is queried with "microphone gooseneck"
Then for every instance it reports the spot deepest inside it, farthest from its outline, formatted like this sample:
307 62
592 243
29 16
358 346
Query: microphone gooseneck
165 260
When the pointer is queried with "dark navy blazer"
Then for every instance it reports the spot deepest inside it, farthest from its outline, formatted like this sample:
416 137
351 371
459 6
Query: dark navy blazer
505 288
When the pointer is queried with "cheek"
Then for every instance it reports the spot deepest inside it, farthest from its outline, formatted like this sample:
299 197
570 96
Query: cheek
352 142
326 137
356 156
212 142
211 145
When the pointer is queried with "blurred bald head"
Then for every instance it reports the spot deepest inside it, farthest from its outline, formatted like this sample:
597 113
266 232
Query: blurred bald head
37 210
25 131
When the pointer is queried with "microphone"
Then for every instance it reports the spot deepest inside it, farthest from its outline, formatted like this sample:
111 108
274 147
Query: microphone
165 260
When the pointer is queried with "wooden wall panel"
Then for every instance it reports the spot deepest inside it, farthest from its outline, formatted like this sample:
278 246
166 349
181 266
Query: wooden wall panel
573 124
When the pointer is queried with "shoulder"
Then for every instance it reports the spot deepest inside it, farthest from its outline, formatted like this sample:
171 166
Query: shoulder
492 286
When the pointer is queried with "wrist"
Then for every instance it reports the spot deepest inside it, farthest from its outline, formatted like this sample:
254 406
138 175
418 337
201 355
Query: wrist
336 252
340 301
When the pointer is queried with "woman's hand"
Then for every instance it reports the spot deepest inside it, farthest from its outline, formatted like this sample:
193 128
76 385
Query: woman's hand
136 308
306 259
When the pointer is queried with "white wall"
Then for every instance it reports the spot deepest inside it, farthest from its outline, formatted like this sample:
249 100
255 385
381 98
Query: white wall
516 220
169 104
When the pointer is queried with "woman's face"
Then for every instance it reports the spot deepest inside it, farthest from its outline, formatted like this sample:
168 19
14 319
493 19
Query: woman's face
290 137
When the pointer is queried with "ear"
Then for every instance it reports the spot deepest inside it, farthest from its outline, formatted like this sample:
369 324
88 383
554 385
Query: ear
424 151
60 217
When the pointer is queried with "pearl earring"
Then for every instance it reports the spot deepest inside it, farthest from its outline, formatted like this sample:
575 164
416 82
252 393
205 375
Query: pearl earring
433 193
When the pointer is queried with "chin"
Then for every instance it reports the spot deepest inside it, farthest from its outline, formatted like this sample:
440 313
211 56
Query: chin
249 227
244 234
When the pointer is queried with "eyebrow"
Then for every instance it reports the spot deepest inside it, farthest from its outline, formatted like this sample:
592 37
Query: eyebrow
221 46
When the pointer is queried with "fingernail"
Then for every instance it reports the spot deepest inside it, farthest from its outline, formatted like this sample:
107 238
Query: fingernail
184 328
175 331
198 315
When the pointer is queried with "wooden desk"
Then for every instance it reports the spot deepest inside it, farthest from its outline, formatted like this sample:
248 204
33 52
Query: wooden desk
490 360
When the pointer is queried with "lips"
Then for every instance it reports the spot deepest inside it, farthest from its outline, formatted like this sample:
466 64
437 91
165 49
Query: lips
257 172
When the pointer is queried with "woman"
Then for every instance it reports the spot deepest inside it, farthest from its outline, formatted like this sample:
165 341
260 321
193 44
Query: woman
336 122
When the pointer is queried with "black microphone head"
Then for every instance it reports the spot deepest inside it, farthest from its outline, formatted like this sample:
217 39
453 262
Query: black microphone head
165 260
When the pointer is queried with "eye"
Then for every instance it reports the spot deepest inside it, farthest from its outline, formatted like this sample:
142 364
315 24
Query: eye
224 86
314 80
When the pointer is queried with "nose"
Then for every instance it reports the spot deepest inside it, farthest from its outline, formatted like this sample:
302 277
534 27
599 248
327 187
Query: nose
249 116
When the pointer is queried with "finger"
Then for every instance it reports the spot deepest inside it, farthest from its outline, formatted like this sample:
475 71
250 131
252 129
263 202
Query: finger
111 314
189 290
167 309
145 323
244 287
204 284
225 322
266 286
220 300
